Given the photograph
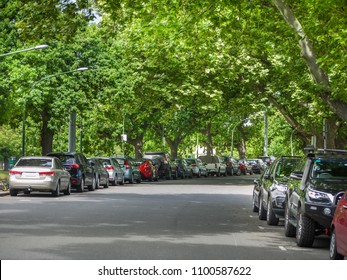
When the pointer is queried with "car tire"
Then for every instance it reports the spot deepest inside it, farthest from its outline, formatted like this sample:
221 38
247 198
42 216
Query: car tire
262 211
305 231
107 184
333 254
57 190
289 229
254 206
271 218
13 192
169 175
80 188
97 183
93 185
68 189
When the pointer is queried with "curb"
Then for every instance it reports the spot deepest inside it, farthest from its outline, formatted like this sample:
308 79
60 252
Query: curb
4 193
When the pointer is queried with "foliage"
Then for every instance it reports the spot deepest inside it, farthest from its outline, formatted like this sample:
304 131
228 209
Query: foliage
173 69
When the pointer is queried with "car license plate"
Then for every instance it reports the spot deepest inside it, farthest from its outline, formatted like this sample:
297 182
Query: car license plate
30 175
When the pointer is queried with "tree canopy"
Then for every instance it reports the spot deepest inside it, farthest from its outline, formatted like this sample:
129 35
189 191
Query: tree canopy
174 74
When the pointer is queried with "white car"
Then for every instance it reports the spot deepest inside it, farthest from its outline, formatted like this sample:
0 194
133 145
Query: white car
215 165
43 174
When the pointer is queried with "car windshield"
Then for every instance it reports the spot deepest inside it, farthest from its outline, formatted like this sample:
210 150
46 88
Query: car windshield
284 168
329 169
35 162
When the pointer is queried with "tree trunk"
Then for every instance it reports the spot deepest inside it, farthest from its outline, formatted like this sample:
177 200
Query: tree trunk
138 146
339 107
46 135
208 135
173 144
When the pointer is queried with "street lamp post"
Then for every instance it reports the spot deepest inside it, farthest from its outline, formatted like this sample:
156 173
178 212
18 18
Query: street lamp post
31 89
25 50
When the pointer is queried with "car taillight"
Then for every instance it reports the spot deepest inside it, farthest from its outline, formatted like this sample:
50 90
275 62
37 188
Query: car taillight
110 167
48 173
75 165
127 166
12 172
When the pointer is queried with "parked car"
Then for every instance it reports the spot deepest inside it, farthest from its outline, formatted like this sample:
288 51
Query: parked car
313 192
257 164
167 167
101 174
184 169
338 237
131 171
257 189
267 159
245 167
272 192
148 169
43 174
115 171
198 167
233 167
82 173
214 165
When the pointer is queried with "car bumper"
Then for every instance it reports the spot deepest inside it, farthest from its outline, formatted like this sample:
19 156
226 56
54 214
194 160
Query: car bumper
321 214
34 185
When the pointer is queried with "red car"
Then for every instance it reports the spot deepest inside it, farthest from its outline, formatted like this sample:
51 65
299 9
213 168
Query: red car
148 169
338 239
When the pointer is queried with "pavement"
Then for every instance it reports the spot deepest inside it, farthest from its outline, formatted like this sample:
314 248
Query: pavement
4 193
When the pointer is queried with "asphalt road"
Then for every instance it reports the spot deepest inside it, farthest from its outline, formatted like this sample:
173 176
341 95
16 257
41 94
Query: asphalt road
190 219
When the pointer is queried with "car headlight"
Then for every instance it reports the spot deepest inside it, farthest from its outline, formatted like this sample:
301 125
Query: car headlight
279 187
317 196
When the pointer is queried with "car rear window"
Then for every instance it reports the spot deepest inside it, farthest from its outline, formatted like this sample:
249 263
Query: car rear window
35 162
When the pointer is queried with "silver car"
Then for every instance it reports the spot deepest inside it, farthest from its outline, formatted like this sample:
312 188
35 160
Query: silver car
43 174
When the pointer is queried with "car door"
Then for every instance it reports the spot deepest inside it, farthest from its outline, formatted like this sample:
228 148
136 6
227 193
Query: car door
63 174
88 169
341 224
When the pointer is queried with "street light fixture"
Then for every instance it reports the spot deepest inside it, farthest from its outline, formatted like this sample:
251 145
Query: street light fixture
31 89
25 50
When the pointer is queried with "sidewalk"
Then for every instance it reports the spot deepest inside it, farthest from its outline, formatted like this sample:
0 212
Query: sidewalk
3 193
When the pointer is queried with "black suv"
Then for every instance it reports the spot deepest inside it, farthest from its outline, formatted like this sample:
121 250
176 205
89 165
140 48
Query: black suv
167 167
313 192
269 196
82 173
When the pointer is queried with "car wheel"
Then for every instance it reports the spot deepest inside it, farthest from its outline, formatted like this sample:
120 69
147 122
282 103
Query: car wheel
254 206
169 175
289 229
93 185
13 192
262 211
57 190
81 186
333 254
68 189
218 173
97 183
271 218
305 231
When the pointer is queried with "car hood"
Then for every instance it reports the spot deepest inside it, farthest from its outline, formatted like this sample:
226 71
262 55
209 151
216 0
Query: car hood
331 186
282 180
